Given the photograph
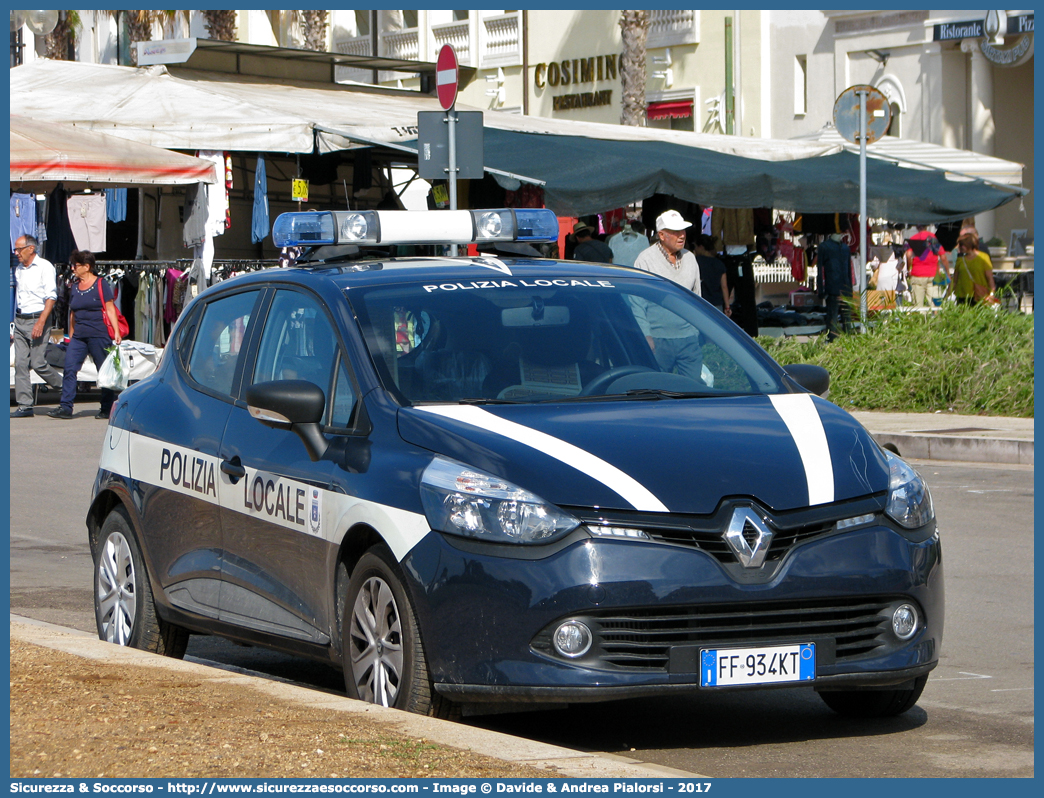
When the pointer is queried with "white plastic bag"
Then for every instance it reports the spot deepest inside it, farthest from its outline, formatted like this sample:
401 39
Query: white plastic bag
112 374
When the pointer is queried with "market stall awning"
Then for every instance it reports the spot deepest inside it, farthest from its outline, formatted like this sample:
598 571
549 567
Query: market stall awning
585 176
586 166
920 154
678 109
176 107
51 151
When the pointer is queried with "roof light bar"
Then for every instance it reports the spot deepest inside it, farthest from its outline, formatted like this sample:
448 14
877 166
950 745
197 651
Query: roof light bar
312 228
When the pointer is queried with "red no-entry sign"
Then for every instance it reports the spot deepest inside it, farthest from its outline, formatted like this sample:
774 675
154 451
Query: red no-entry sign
446 77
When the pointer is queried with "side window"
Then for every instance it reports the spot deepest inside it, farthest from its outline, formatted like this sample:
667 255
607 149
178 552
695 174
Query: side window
344 399
298 342
222 331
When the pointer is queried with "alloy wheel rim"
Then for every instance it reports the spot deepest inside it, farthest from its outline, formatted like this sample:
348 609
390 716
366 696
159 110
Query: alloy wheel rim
375 640
117 594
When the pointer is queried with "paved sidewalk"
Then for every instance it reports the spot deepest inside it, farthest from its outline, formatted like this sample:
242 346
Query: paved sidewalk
945 436
556 760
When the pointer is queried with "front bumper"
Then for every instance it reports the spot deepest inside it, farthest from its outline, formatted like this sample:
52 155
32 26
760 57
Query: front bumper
486 620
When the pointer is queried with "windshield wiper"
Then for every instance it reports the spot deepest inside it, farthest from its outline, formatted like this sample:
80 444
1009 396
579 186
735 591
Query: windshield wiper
478 400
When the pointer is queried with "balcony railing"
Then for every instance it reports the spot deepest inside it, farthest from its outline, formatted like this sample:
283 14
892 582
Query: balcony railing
459 35
669 27
359 45
501 42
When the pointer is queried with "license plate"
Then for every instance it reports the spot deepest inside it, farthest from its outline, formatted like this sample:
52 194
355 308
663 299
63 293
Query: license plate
771 665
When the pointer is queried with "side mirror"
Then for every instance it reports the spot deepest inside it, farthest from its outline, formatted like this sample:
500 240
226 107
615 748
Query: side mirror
812 378
295 405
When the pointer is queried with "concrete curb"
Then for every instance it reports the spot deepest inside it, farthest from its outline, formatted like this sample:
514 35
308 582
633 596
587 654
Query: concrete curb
943 447
560 761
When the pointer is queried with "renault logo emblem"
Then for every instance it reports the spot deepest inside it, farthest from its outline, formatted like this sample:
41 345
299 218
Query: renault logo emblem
749 537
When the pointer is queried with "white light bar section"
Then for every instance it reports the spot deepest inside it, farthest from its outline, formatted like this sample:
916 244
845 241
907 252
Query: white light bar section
444 227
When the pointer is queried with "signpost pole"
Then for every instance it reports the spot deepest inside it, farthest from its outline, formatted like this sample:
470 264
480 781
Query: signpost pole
451 120
862 206
447 81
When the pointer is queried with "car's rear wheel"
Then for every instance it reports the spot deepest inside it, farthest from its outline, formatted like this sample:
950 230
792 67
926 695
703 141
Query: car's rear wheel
383 656
874 703
123 603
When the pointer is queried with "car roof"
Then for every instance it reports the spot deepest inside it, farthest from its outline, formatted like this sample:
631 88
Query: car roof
374 272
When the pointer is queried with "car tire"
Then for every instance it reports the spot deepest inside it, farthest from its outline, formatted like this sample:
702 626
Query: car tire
123 604
381 647
874 703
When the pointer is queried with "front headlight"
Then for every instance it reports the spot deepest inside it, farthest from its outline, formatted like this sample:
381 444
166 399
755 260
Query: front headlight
464 501
909 502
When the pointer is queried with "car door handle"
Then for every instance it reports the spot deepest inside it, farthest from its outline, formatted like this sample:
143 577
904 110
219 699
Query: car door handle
234 469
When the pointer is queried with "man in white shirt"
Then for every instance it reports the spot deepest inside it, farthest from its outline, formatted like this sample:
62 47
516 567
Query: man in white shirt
674 342
36 294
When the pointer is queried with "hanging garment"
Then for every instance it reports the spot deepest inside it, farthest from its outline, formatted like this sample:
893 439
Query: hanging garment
116 204
41 215
228 189
60 240
259 223
626 246
170 311
217 193
733 226
195 227
23 217
87 221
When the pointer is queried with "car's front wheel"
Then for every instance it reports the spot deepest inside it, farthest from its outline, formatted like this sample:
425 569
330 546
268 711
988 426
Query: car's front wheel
874 703
382 653
123 603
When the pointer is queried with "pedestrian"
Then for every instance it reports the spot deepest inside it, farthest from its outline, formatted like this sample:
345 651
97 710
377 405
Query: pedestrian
834 261
589 248
89 298
674 342
713 283
973 273
35 294
924 253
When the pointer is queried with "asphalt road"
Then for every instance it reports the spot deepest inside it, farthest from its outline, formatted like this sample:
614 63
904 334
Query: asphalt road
975 718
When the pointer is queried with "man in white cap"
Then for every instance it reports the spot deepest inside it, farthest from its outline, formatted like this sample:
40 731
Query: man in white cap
675 342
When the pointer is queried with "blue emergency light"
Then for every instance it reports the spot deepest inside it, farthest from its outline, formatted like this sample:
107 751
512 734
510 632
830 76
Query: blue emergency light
314 228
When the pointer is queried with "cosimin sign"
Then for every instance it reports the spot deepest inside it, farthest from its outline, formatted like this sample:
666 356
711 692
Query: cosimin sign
575 71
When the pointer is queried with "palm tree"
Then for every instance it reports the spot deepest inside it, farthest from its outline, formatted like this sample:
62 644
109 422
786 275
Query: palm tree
221 24
634 28
314 24
62 40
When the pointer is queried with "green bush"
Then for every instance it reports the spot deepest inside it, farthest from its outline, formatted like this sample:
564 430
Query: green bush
972 360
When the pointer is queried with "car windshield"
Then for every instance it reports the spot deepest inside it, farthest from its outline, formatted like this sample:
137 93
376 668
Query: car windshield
556 339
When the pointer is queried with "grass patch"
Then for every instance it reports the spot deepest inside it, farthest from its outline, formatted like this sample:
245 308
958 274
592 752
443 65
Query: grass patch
970 360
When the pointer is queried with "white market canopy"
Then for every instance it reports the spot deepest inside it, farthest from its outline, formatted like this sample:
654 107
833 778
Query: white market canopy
585 167
919 154
44 151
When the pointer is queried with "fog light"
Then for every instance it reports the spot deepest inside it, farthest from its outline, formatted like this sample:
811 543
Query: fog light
572 639
904 621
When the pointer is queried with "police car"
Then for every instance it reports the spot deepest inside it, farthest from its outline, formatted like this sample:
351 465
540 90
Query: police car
469 481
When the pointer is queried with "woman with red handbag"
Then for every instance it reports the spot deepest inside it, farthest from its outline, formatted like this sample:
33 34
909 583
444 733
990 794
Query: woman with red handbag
94 326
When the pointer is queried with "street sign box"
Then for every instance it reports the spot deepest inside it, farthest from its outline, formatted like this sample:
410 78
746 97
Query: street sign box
433 145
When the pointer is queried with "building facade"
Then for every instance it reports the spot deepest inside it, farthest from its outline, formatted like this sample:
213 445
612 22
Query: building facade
952 78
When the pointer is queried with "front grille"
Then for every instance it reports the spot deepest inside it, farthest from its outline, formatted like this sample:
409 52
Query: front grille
790 528
714 543
641 639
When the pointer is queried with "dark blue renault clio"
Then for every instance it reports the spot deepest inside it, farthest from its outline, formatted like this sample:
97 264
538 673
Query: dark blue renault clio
467 482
